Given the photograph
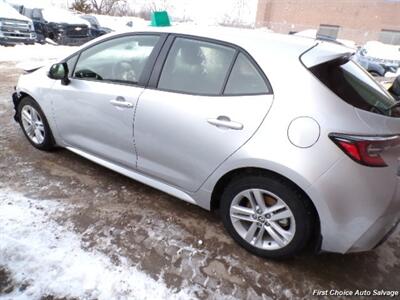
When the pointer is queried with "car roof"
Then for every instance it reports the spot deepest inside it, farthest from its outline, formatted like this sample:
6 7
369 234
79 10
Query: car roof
245 38
278 55
262 44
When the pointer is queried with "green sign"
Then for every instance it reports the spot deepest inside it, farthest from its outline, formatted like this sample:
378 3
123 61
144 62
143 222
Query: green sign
160 18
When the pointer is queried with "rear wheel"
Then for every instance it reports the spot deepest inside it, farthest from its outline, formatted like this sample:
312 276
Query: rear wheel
34 124
267 216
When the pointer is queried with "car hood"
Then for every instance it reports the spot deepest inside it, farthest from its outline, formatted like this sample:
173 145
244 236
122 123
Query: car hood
55 15
7 12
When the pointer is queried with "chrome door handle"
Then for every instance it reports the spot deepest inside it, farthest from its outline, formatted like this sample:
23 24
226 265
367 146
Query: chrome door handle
225 122
121 102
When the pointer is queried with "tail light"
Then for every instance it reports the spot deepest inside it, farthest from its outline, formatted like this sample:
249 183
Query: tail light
365 150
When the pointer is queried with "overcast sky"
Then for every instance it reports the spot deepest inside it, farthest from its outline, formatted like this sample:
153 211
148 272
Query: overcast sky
204 11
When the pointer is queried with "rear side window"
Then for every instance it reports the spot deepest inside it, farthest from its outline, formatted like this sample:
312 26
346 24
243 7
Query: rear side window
354 85
245 79
196 67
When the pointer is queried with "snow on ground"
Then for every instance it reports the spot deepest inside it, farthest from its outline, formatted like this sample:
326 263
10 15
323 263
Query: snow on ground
393 75
48 258
30 56
120 23
382 51
52 14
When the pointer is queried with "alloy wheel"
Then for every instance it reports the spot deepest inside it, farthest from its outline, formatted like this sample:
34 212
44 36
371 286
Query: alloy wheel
33 124
262 219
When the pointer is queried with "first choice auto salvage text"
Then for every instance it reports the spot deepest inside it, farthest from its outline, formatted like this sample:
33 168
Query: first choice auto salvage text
375 292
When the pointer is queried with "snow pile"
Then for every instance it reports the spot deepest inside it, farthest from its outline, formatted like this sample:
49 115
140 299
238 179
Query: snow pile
39 3
28 56
58 15
382 51
120 23
47 259
393 75
7 11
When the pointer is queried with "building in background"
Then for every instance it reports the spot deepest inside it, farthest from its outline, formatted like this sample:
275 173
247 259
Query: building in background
357 20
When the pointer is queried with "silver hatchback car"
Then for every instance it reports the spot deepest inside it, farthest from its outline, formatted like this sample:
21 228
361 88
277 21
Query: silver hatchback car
290 140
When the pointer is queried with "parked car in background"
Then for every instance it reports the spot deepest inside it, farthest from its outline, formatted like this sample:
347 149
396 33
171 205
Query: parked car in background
395 88
14 27
375 66
384 54
206 115
59 25
95 28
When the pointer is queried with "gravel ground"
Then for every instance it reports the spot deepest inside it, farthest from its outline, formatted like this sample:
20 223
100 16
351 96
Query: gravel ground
170 240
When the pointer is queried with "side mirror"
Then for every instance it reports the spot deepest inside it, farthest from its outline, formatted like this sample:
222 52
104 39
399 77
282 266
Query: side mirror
60 72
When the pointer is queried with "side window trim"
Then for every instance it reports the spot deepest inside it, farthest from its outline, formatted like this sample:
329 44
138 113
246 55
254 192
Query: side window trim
153 84
148 68
259 71
228 74
163 54
159 63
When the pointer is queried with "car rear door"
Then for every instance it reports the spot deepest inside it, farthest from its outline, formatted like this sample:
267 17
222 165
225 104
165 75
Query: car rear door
94 112
205 100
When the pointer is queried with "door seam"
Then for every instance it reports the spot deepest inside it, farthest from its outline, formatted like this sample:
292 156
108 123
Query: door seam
133 128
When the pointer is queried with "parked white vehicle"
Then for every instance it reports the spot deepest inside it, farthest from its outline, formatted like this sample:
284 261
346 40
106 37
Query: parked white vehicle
387 56
381 51
309 157
14 27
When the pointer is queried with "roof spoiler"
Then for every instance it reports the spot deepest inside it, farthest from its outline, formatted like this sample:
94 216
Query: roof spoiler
323 52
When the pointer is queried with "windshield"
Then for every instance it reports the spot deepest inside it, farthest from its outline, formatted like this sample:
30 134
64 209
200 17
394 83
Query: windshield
354 85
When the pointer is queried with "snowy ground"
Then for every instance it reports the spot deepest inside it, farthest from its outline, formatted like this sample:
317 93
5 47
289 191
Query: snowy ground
30 56
47 258
119 23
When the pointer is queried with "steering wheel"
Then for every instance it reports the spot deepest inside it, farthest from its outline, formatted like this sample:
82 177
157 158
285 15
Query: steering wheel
123 70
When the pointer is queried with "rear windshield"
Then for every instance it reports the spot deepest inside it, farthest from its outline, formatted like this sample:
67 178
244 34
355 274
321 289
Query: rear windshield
354 85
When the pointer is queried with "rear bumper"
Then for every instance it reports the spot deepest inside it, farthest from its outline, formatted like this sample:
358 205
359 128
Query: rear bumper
382 228
376 235
358 206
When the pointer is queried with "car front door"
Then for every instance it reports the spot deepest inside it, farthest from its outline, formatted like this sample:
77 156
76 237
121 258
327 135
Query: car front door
94 112
209 100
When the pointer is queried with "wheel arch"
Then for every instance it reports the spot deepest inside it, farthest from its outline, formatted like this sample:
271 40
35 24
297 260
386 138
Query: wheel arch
316 239
17 101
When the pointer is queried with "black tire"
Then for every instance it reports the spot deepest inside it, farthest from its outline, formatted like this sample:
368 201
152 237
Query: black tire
300 207
375 74
48 144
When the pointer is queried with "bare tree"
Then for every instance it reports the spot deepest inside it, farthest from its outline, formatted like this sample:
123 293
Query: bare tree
236 16
82 6
157 5
105 7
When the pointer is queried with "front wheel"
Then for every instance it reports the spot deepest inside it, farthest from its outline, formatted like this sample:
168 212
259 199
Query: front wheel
267 216
34 124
